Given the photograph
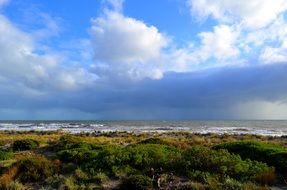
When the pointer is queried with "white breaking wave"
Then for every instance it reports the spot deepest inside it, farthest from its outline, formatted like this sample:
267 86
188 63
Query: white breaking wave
266 128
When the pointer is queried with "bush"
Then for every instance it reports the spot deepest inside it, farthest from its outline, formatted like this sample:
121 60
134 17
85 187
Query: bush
5 155
77 155
146 156
100 177
199 176
266 178
152 141
107 157
137 182
8 176
231 184
192 186
15 185
67 142
123 171
35 168
25 144
55 181
80 175
70 184
222 163
271 154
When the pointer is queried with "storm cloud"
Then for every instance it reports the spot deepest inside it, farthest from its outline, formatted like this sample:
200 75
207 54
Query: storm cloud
217 93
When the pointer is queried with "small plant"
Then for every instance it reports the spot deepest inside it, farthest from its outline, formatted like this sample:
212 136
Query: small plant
35 168
25 144
8 176
80 175
55 181
231 184
100 177
5 155
266 177
15 185
152 141
198 176
123 171
70 184
192 186
137 182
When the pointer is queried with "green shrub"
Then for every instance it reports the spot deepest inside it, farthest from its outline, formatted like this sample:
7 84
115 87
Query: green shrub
123 171
107 157
15 185
25 144
199 176
5 155
137 182
80 175
68 168
70 184
35 168
55 181
77 155
66 142
271 154
102 159
152 141
222 163
192 186
231 184
100 177
146 156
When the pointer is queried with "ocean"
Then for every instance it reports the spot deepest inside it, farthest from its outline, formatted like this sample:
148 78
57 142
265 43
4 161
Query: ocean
258 127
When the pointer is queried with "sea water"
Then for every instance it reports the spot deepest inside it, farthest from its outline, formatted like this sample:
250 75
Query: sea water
262 127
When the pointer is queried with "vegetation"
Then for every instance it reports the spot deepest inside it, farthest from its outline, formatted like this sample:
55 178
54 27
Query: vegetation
271 154
141 161
139 182
25 144
5 155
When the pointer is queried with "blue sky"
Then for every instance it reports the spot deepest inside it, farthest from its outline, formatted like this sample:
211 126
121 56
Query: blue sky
143 59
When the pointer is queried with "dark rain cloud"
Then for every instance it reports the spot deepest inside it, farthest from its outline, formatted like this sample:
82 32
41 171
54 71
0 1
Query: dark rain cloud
208 94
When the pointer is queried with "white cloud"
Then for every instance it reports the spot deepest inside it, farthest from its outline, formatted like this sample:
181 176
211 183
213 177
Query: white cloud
219 44
253 28
122 39
275 32
271 42
126 45
271 55
20 62
251 13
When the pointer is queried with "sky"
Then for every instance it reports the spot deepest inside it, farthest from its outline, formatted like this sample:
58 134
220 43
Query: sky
143 59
